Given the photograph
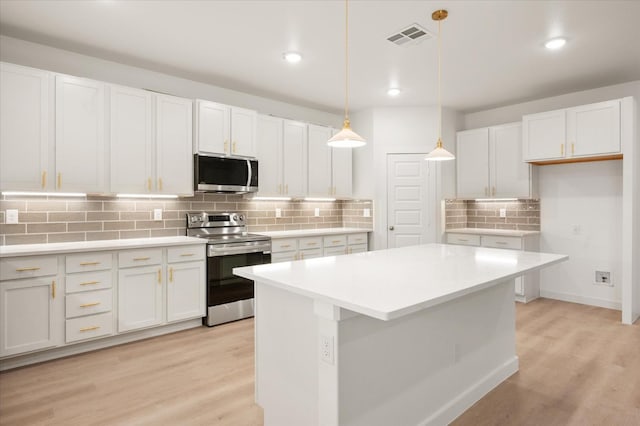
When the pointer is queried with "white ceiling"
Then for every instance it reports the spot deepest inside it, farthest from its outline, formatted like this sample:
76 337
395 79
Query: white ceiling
493 51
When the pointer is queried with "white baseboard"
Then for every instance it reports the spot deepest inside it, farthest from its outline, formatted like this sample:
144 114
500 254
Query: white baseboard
464 401
574 298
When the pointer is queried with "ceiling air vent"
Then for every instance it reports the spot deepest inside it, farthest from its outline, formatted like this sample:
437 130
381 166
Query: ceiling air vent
413 34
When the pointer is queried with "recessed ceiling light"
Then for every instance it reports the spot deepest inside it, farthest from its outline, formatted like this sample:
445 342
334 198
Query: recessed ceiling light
292 57
394 91
555 43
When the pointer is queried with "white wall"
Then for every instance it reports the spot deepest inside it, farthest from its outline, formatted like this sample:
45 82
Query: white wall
48 58
590 195
400 130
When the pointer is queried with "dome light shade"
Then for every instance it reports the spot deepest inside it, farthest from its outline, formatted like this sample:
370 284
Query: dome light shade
346 138
439 154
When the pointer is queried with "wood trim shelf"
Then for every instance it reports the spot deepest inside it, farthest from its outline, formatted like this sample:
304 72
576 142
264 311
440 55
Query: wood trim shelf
577 160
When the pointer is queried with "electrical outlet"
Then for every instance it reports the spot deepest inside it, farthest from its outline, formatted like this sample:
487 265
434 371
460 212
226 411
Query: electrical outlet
11 217
316 212
503 212
604 278
157 214
326 349
366 213
278 212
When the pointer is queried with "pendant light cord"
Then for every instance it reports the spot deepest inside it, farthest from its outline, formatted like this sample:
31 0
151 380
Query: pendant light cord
346 61
439 81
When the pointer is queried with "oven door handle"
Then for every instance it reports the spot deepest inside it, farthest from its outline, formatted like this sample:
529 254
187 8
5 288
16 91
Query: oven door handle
224 251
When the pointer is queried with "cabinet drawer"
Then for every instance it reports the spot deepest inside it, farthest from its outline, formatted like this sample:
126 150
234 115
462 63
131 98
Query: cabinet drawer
357 248
514 243
463 239
357 238
89 327
87 281
310 243
335 240
285 244
12 268
88 262
335 251
129 258
285 256
310 253
88 303
185 253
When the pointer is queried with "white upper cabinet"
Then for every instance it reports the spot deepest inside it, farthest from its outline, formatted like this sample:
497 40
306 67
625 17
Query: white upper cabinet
270 156
330 169
586 131
224 130
294 149
80 136
490 163
320 179
26 102
472 157
174 162
131 140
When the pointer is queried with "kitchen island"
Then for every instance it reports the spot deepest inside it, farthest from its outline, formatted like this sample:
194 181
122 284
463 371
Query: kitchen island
405 336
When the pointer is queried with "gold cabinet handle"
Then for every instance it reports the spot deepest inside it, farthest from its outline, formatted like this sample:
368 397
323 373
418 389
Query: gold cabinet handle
170 275
160 184
301 256
561 149
59 180
53 289
286 188
44 179
226 145
186 254
137 259
573 148
89 263
149 184
93 327
279 188
493 191
159 276
90 282
88 305
30 268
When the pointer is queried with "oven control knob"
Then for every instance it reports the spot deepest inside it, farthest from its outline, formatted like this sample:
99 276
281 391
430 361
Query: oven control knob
241 217
235 217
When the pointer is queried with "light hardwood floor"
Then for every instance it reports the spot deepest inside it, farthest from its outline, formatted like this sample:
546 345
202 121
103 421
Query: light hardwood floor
578 366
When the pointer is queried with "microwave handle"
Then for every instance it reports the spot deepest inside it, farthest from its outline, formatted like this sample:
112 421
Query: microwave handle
249 175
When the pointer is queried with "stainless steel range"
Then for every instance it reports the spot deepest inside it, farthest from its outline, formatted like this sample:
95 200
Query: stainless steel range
229 245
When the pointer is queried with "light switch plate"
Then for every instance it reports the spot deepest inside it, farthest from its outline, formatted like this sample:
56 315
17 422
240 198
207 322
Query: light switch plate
503 212
316 212
366 213
11 217
278 212
157 214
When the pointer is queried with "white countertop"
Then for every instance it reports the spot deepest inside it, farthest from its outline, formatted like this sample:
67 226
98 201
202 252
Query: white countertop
388 284
312 232
498 232
57 248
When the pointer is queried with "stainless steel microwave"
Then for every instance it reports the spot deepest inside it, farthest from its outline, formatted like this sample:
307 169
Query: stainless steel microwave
224 174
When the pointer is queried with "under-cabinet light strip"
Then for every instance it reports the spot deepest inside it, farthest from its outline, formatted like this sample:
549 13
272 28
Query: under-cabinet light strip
496 199
146 196
319 199
271 198
45 194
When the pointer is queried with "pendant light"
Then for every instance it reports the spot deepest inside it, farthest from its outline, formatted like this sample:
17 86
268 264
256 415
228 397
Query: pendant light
346 138
439 153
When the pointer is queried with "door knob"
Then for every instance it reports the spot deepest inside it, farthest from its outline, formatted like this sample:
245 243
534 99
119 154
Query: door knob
391 228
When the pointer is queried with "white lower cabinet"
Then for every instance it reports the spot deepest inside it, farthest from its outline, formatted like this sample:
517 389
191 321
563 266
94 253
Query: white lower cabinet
139 297
185 291
527 287
290 249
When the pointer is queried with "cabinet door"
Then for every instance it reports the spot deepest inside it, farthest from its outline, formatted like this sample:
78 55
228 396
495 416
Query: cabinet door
213 132
472 157
544 135
510 176
139 297
319 162
185 291
25 139
269 156
342 172
27 315
80 146
594 129
243 132
285 256
174 162
131 140
294 149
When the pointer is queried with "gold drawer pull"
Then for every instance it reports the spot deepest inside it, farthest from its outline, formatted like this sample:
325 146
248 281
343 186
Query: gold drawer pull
358 239
312 244
336 241
90 282
462 239
88 305
187 254
89 263
501 242
285 245
31 268
141 258
93 327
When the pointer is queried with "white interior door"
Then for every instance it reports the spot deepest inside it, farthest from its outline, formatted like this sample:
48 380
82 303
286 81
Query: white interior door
410 204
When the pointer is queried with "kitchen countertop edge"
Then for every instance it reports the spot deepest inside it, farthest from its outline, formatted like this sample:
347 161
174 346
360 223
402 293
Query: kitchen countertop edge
487 231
